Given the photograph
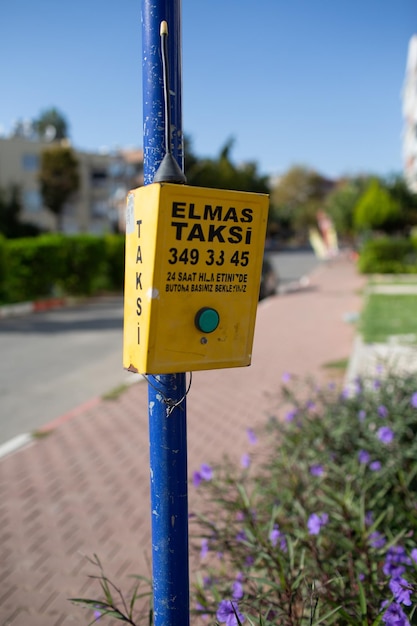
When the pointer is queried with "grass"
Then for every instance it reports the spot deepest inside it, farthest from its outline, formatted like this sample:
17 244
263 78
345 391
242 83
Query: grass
41 434
115 393
341 364
387 315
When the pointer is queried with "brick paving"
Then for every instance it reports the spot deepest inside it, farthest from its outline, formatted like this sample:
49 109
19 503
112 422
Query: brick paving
83 488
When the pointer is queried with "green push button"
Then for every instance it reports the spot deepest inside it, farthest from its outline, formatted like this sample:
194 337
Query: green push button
207 320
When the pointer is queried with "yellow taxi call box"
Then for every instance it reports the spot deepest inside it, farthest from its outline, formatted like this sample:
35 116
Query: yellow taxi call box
192 275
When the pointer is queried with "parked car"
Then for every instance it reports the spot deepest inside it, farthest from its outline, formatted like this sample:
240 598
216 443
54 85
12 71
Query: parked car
269 279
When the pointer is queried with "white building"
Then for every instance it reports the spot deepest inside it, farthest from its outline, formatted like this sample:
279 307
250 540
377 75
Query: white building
410 116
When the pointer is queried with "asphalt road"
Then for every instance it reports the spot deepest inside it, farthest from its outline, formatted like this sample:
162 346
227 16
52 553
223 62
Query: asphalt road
55 361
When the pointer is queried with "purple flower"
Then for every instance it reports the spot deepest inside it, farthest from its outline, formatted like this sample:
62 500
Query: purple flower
228 612
382 411
369 518
375 466
358 386
276 535
376 540
414 554
395 561
201 610
316 470
394 615
345 393
205 473
414 400
241 536
290 415
361 415
97 615
237 590
251 436
385 434
316 522
245 461
401 590
204 548
363 457
286 377
376 384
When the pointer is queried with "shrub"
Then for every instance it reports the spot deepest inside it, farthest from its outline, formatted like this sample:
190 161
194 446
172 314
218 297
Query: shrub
33 265
318 528
376 209
388 255
32 268
3 267
115 259
318 525
85 265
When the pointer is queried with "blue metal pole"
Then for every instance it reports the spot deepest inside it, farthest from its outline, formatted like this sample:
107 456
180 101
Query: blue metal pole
166 393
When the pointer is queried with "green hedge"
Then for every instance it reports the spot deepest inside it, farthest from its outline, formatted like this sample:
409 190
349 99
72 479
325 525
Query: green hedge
389 256
60 265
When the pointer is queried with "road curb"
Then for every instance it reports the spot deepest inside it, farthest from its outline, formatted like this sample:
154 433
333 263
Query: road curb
35 306
15 444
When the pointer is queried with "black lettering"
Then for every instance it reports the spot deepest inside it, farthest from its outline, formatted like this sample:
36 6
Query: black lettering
231 215
138 306
248 236
216 233
179 226
178 209
139 255
138 335
196 233
139 222
248 214
191 213
212 214
236 234
139 280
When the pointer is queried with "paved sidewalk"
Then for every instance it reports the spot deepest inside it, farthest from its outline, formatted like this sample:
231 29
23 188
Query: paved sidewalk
83 489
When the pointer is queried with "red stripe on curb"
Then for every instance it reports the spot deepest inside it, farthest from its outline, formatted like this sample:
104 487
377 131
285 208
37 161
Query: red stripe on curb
67 416
51 303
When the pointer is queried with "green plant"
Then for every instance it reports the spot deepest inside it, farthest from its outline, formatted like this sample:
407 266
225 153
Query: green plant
115 260
318 526
376 209
113 602
85 264
33 265
388 256
32 268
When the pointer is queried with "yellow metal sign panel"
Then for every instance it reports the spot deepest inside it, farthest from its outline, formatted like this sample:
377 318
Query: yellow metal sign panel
192 275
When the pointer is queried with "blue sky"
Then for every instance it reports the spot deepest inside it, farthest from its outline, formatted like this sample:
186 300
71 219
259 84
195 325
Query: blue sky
311 82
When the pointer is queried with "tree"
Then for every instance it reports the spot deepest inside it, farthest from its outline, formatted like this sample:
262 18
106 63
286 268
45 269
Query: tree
221 173
10 208
298 195
59 178
341 202
376 209
406 199
51 125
